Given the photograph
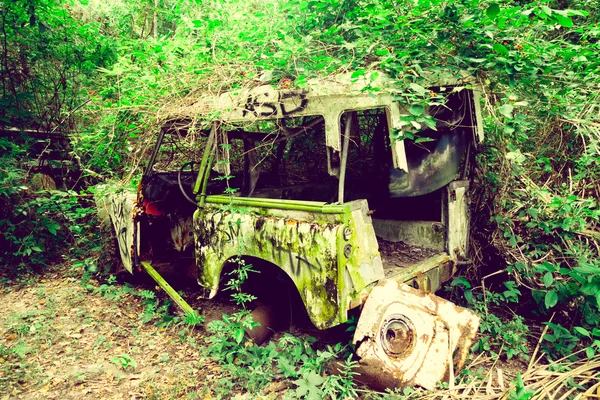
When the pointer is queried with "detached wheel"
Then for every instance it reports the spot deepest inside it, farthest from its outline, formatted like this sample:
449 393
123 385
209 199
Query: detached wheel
266 316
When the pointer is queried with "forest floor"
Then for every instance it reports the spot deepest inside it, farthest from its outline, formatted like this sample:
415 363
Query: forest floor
61 338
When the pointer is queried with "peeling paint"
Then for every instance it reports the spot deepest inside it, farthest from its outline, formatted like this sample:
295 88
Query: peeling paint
120 208
395 310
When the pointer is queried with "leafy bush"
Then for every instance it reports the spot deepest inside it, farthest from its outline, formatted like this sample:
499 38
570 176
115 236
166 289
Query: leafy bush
37 227
45 57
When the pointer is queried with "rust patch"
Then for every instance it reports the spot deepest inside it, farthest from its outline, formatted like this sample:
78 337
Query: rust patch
377 376
436 331
446 271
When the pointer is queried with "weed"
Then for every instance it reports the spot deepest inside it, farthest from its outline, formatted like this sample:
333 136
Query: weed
101 341
239 275
154 309
520 392
308 386
164 358
37 226
15 367
123 361
228 334
342 386
193 319
508 335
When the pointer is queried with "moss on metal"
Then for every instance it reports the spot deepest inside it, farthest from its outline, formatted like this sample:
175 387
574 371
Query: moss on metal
301 239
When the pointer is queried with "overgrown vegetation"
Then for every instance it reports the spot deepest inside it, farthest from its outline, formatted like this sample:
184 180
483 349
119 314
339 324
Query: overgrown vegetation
109 73
38 226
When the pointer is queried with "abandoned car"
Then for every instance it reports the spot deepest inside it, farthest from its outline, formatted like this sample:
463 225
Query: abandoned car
358 201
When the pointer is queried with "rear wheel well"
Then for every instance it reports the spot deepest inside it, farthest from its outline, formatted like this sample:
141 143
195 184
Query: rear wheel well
270 285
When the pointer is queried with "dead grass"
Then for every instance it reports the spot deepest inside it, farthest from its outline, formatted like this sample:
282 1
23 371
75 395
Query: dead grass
59 341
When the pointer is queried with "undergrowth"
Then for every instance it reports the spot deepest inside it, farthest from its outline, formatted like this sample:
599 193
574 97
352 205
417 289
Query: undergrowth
38 226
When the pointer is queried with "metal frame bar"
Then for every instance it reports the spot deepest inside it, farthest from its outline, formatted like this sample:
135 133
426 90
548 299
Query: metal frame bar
168 288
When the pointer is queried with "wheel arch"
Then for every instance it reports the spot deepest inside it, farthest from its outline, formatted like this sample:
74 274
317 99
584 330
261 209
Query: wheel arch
266 277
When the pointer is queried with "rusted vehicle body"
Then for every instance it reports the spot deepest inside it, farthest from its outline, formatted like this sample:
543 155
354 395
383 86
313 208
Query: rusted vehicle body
321 183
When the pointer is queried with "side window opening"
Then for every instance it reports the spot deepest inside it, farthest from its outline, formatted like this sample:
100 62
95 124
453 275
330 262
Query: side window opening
178 147
282 159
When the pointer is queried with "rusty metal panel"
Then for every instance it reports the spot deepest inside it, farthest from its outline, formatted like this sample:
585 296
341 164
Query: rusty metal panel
329 251
406 337
302 247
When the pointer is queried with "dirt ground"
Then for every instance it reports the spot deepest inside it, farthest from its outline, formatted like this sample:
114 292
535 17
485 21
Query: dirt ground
59 340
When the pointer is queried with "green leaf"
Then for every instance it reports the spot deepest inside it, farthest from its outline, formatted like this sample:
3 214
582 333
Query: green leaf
418 89
357 74
546 10
373 76
563 21
266 76
587 269
579 13
288 369
408 135
548 279
469 296
461 281
37 249
315 379
590 288
500 49
507 110
550 299
590 352
493 10
53 227
430 122
308 385
582 331
417 110
424 139
302 388
239 335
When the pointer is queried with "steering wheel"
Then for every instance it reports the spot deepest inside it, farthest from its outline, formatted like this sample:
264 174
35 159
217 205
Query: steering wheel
194 173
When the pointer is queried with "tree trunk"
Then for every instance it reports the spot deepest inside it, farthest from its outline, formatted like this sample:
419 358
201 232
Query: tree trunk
155 21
